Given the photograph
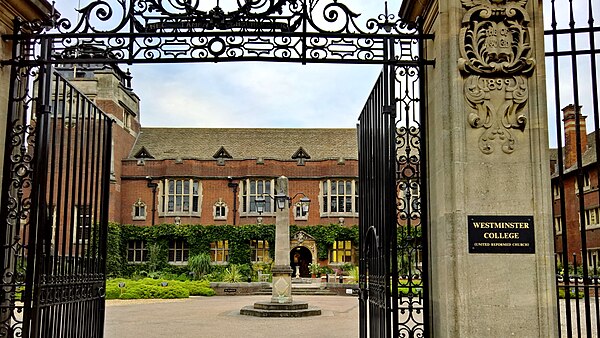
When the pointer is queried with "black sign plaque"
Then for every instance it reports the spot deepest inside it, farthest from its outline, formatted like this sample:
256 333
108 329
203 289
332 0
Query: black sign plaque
501 234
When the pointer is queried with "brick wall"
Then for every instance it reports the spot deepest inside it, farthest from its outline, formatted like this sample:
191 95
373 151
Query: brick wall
216 181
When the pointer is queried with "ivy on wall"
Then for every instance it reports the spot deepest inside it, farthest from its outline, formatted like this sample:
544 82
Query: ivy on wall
199 238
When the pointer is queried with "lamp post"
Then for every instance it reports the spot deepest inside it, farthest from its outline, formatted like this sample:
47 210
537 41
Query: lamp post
282 271
152 185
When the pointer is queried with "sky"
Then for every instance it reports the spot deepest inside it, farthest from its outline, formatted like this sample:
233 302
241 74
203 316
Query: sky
252 94
565 73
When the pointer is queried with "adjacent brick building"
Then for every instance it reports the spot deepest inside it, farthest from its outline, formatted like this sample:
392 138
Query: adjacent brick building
577 197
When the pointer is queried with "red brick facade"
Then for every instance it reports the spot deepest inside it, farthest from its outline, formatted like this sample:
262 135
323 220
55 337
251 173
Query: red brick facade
580 201
215 181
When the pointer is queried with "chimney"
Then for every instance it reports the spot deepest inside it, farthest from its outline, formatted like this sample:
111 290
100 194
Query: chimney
570 150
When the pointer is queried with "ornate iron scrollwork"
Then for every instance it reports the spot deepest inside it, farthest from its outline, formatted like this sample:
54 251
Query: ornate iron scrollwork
496 61
184 31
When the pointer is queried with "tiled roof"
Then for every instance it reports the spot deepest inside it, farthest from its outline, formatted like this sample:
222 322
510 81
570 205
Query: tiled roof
267 143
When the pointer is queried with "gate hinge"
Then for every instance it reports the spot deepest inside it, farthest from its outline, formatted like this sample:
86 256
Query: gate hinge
390 109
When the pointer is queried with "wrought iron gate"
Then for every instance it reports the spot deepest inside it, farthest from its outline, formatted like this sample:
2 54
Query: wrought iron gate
571 57
170 31
393 233
54 206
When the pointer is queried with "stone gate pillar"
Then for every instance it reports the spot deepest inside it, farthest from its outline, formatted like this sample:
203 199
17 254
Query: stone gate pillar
492 267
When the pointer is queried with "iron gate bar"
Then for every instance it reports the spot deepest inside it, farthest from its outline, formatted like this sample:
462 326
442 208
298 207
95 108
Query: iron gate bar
566 281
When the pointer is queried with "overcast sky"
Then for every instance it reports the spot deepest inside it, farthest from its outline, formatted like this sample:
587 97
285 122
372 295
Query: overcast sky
252 94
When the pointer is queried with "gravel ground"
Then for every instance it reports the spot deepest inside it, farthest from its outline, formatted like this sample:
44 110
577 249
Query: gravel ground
219 316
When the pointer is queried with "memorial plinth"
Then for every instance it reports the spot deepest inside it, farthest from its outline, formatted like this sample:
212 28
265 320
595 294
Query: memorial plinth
282 304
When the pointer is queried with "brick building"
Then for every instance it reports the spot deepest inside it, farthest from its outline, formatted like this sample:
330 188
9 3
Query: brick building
199 176
581 199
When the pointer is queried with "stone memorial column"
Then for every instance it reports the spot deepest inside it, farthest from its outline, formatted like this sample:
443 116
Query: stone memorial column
492 267
282 272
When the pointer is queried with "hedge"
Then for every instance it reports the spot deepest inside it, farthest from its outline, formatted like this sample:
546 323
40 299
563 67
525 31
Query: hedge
149 288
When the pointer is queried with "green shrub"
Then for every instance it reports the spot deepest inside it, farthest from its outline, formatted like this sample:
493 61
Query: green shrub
199 265
232 274
354 274
147 288
112 291
561 293
199 288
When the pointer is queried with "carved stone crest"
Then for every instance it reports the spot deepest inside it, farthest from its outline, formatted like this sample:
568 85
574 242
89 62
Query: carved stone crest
496 62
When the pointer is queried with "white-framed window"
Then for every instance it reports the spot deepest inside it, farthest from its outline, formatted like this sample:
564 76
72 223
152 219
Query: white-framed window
219 251
259 250
558 225
555 191
180 196
587 183
139 210
300 212
83 223
594 259
137 251
341 252
339 197
178 251
591 217
252 188
220 210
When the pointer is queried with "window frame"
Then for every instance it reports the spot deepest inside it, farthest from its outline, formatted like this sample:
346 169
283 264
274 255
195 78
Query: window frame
344 251
327 196
246 197
178 246
591 216
138 205
256 250
299 214
558 226
139 248
76 226
165 195
220 205
222 250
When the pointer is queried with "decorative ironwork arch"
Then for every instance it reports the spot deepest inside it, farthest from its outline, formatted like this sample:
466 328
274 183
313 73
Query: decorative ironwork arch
168 31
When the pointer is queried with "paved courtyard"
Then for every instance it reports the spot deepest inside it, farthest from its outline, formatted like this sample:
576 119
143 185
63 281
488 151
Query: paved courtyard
219 317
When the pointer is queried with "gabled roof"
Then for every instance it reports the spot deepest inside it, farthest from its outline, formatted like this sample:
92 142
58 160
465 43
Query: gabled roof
300 153
248 143
143 153
222 153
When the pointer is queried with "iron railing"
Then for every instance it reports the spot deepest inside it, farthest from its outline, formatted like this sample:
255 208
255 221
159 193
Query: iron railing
571 58
393 236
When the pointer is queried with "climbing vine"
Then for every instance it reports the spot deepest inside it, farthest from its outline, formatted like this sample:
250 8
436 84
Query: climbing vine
199 238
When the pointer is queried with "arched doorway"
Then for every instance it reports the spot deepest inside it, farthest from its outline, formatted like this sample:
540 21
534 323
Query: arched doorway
300 257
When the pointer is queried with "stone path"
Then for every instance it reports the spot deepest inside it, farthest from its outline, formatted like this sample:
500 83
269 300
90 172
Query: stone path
219 317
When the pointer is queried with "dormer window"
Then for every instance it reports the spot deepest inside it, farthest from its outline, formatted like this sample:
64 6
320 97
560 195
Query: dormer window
143 153
300 155
221 155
